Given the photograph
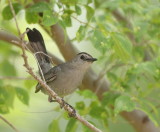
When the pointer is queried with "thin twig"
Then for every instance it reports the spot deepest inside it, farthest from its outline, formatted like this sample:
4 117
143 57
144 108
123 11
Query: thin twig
11 125
58 99
83 22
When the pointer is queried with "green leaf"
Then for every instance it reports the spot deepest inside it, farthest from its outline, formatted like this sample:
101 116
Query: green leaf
122 46
3 95
80 105
89 1
29 83
10 91
67 20
101 41
22 95
147 106
4 109
71 126
49 18
69 2
54 126
7 69
146 67
7 50
7 94
81 33
7 13
31 17
96 111
109 98
123 103
78 10
39 7
87 94
69 11
90 12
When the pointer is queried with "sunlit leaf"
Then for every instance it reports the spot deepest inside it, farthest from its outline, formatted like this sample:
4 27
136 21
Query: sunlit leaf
90 12
49 18
67 20
78 10
31 17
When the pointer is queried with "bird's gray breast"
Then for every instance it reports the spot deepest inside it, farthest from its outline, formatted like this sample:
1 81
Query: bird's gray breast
67 80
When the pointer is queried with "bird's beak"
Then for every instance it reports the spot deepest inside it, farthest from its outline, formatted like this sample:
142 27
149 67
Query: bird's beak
91 59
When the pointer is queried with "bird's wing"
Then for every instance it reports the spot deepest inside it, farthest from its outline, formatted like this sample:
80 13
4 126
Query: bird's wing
49 76
52 74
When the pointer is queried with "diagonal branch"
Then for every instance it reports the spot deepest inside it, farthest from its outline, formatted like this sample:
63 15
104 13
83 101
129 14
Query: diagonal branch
10 124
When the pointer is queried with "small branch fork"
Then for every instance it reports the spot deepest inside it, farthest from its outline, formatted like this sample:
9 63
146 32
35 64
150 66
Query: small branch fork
58 99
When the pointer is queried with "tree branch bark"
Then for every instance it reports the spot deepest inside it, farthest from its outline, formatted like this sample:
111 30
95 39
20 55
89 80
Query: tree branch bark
10 124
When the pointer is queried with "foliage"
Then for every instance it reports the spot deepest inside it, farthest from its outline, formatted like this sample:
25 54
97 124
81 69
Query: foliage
129 45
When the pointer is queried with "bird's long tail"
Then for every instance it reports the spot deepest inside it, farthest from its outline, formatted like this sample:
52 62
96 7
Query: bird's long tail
39 49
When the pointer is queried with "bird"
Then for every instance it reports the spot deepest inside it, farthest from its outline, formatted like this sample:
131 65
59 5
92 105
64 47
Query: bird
64 78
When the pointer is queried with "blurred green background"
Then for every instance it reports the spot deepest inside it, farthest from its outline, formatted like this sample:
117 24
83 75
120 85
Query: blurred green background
122 34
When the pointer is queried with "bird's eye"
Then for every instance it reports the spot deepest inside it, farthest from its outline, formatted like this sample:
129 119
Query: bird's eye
82 57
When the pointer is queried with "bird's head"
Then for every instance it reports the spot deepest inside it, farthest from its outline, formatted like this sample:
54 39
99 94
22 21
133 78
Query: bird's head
83 60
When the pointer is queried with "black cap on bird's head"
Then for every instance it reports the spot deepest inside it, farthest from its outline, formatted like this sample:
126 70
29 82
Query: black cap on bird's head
86 57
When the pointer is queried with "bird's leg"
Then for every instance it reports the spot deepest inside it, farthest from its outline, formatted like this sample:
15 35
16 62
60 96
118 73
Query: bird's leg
50 99
72 114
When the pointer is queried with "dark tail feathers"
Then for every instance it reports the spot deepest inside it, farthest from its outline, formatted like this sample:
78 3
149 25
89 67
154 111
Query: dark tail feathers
37 44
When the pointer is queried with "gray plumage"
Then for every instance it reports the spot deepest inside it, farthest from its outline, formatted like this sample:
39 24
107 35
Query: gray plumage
63 78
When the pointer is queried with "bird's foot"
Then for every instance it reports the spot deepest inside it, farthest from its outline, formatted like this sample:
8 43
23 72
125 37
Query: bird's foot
50 99
71 114
63 104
